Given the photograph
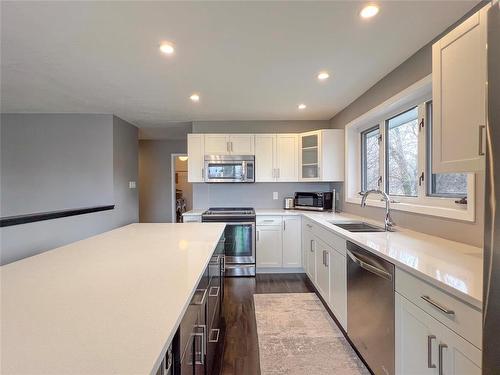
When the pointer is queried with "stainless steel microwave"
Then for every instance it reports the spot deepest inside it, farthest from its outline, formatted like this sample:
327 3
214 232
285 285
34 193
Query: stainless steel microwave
229 168
315 201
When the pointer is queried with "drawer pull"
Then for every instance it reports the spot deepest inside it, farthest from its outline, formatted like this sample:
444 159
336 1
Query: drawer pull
441 347
309 226
268 221
214 332
214 294
429 351
438 305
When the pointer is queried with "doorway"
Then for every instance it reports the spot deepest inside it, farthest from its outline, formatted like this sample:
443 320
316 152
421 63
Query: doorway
182 190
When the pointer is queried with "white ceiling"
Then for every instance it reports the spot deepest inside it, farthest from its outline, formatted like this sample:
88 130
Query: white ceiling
248 60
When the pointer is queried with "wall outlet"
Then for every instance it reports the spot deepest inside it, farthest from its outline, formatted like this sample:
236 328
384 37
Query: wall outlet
131 184
275 195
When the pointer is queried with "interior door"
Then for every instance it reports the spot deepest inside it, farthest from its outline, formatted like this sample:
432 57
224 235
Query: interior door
287 154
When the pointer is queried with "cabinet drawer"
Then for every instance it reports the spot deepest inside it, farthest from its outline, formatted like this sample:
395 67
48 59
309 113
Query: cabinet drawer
191 219
333 240
460 317
268 220
308 224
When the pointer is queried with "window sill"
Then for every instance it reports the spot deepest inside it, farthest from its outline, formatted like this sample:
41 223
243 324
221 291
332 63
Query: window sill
463 214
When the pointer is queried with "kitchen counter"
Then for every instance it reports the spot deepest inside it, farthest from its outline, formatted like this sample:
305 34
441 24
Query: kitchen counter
109 304
452 266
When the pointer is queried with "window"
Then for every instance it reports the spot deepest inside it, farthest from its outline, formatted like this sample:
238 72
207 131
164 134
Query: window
402 154
370 159
442 184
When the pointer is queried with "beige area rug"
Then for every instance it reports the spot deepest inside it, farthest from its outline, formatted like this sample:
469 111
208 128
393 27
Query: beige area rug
297 336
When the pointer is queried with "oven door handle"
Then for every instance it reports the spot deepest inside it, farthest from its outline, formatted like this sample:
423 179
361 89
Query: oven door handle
375 270
240 223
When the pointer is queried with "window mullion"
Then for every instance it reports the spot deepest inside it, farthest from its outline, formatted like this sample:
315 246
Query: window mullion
421 190
382 156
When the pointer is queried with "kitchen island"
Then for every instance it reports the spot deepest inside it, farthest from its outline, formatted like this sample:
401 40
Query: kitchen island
109 304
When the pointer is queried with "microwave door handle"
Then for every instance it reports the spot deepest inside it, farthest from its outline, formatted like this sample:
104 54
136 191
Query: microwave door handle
243 171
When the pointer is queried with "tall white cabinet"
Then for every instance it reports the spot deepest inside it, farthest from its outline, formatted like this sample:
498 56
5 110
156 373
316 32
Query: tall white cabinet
459 97
196 154
276 157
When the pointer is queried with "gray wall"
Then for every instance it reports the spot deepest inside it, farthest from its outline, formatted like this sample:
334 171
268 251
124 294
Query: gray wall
258 126
416 67
258 195
24 240
155 180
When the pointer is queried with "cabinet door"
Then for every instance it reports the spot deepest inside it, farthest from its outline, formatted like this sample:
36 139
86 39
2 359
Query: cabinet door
287 157
196 156
338 287
242 144
269 246
217 144
291 241
323 270
311 258
265 148
309 157
416 340
459 97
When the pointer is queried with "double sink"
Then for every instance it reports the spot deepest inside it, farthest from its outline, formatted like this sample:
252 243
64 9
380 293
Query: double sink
357 226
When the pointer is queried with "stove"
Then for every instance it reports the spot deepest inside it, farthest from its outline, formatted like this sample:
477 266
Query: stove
239 238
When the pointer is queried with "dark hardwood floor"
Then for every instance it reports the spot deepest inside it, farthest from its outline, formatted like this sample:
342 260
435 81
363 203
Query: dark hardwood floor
241 349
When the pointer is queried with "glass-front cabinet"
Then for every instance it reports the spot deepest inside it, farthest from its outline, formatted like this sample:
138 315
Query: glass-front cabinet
310 155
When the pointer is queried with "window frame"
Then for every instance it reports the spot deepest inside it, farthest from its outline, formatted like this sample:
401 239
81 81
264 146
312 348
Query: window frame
417 95
364 171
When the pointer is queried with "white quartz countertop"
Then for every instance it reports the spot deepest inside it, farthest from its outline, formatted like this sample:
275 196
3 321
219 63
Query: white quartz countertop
106 305
452 266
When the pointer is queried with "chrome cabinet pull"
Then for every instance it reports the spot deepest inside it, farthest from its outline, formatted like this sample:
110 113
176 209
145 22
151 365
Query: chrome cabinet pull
429 351
216 332
441 347
258 235
309 226
211 293
327 263
201 335
481 141
438 305
231 146
278 171
312 243
284 225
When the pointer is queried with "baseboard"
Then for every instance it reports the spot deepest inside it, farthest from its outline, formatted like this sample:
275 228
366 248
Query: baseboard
279 270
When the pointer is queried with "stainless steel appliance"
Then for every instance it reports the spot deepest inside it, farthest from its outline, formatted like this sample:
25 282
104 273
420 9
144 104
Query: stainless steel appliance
491 285
314 201
370 308
289 203
239 245
229 168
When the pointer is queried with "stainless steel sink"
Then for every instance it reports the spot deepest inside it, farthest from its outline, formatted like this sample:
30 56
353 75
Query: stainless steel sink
357 226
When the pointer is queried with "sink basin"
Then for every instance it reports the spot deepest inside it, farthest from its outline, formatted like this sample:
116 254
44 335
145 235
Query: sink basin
357 226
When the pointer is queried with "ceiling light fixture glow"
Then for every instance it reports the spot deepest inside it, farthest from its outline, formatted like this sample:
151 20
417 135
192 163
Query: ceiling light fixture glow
323 75
369 11
301 106
195 98
183 158
167 48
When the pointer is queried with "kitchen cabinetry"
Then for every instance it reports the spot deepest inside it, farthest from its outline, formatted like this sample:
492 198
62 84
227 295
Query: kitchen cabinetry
322 257
196 154
278 242
229 144
338 287
459 97
426 346
321 155
276 157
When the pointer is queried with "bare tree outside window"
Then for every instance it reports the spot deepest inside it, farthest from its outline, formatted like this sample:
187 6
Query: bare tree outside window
402 153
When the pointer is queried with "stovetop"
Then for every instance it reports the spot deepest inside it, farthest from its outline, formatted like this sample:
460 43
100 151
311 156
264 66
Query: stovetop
226 211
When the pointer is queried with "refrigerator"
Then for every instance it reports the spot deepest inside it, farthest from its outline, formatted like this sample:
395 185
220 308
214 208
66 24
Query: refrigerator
491 272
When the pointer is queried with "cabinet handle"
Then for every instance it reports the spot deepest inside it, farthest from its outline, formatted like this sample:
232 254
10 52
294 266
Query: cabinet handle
312 242
258 235
217 333
278 172
309 226
216 294
231 146
429 351
284 225
481 131
441 347
203 174
438 305
327 263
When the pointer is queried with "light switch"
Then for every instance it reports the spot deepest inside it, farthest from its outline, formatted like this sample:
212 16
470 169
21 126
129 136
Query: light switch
131 184
275 195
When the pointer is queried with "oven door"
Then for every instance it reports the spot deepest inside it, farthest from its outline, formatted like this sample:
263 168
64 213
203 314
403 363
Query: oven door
239 246
228 169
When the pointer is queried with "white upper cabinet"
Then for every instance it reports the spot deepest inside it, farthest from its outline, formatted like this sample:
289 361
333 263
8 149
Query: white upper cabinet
459 97
276 157
321 155
265 149
229 144
196 154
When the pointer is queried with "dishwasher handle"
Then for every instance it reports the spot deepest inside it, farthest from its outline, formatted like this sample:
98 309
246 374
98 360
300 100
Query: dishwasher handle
375 270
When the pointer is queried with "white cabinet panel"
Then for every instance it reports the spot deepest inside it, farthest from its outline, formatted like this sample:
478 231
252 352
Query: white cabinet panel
286 160
338 287
459 97
323 269
265 149
196 155
217 144
241 144
291 241
269 246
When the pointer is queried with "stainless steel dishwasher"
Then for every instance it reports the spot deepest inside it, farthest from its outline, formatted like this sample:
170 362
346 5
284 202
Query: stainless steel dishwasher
370 308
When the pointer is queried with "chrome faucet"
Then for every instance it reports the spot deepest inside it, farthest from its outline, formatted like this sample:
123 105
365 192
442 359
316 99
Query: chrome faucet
388 222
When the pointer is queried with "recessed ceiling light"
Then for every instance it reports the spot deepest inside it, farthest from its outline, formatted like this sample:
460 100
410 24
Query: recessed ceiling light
369 11
183 158
302 106
195 98
167 48
323 75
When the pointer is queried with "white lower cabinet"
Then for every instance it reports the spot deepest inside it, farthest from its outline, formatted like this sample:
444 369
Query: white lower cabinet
269 247
323 269
338 287
291 242
426 346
